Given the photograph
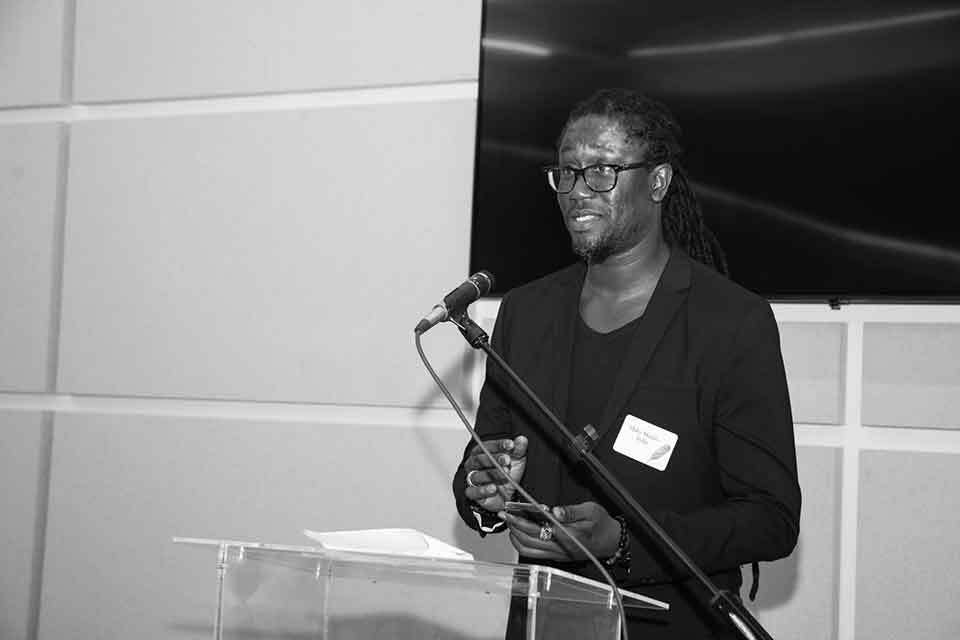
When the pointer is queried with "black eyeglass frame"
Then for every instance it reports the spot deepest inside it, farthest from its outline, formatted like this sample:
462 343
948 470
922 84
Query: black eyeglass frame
581 173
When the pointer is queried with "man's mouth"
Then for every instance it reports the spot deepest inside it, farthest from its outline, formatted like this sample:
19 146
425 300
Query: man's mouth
582 220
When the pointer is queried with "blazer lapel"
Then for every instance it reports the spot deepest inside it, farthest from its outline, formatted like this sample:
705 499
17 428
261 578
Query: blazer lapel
564 326
667 298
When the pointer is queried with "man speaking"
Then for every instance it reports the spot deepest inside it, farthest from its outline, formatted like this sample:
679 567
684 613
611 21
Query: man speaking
677 368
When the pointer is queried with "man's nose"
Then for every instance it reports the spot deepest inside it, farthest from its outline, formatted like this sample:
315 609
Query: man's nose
580 189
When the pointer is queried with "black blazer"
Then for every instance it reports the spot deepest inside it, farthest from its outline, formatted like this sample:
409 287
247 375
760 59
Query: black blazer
705 364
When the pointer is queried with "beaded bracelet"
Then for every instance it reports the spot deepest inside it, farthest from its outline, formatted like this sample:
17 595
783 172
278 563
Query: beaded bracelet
622 555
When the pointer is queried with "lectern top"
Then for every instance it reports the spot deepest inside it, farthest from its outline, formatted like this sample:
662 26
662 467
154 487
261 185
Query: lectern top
491 577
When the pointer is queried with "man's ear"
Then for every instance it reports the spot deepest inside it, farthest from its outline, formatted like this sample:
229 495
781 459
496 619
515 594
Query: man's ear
660 177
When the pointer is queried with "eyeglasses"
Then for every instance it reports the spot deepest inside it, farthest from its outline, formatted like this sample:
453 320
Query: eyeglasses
599 178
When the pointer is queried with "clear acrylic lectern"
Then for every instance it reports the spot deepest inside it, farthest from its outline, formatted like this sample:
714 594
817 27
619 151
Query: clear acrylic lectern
293 593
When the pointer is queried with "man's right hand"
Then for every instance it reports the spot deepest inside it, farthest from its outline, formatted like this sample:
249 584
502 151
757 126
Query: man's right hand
491 488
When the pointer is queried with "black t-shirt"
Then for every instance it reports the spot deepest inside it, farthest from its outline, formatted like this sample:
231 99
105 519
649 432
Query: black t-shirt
597 358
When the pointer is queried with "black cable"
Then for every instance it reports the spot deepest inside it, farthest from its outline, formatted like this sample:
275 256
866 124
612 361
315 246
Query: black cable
476 438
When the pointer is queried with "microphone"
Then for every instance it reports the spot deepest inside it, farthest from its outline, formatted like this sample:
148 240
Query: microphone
457 301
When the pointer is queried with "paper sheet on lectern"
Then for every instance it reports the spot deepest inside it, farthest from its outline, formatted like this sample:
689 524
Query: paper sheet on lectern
408 542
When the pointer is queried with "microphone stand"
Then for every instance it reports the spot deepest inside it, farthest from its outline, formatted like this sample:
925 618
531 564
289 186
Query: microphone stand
724 602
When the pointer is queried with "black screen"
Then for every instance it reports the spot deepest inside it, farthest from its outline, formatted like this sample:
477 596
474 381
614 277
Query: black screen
820 137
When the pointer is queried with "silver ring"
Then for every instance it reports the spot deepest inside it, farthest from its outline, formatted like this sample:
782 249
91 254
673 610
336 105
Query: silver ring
546 532
469 481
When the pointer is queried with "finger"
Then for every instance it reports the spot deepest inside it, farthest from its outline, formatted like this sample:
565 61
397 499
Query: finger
486 496
505 445
536 548
479 478
483 461
480 492
488 465
576 530
571 513
520 444
562 537
484 470
494 503
523 525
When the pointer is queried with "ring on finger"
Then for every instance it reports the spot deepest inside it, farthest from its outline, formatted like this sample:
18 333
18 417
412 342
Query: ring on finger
546 532
470 482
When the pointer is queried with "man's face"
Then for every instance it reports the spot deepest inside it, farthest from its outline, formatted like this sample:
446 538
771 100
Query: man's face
605 224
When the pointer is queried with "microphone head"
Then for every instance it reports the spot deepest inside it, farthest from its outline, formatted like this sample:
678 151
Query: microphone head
455 302
483 281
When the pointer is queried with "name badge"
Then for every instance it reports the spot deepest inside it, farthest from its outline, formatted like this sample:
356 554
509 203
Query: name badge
645 442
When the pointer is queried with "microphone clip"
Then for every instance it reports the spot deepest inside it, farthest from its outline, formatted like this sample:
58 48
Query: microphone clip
471 331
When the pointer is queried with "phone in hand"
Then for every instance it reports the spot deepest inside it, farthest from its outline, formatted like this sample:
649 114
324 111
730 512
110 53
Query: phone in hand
528 510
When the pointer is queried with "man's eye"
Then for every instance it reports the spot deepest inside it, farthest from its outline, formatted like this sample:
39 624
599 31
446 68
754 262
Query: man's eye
604 170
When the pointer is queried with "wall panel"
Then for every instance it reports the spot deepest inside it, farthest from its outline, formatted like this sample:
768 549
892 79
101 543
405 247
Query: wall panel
24 462
911 375
813 356
140 49
908 547
267 256
31 52
29 169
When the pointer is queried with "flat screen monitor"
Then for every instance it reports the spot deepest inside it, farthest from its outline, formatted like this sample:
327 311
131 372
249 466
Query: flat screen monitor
821 138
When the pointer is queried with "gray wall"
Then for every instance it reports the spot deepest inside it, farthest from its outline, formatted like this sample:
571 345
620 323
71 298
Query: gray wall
205 323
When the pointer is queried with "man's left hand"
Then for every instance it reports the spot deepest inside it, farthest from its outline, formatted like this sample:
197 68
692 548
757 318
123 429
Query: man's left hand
589 522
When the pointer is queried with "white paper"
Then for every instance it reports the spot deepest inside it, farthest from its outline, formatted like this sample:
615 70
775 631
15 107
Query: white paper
406 542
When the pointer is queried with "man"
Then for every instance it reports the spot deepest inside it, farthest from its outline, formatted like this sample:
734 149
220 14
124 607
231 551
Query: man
642 334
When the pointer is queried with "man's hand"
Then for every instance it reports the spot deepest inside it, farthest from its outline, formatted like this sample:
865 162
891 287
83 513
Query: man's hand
491 488
589 522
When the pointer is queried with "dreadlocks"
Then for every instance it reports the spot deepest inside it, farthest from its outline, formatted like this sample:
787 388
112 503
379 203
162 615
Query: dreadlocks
649 121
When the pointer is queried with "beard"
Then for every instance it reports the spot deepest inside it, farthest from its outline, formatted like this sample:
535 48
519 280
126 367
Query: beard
592 250
597 249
